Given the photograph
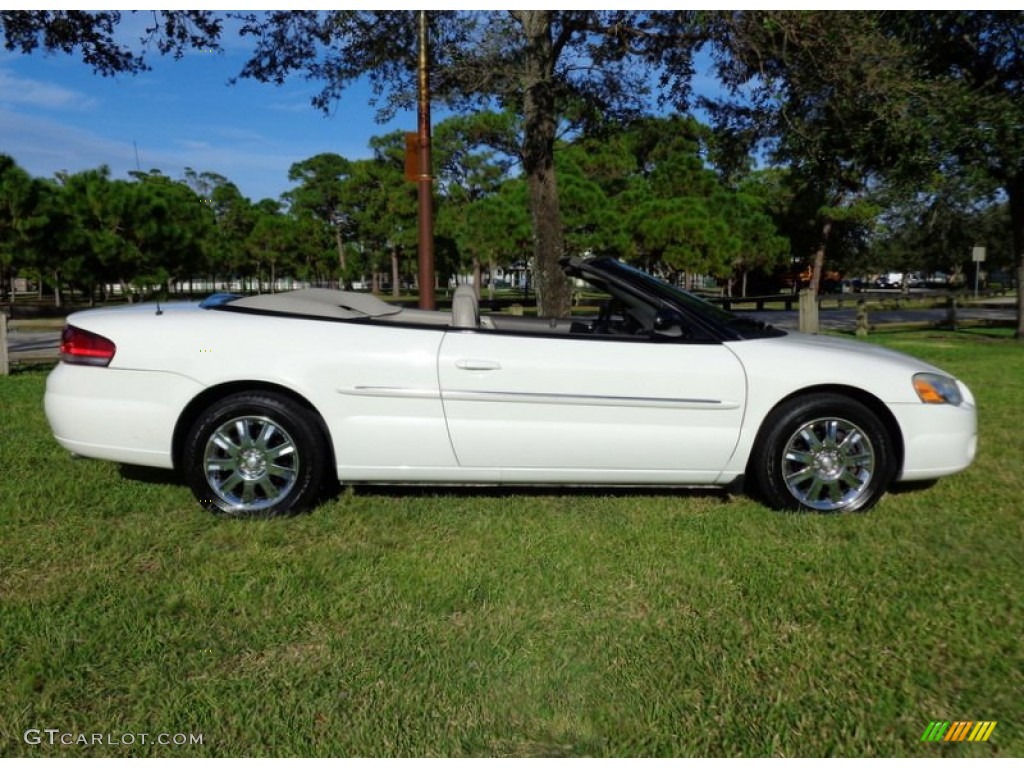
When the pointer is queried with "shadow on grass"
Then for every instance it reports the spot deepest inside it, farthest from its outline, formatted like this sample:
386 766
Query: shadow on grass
991 331
912 486
150 475
169 477
333 490
527 491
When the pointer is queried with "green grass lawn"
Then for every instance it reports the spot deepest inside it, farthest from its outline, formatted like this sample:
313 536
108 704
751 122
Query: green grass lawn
442 623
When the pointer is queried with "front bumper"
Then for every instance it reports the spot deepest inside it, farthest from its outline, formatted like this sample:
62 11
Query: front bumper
938 439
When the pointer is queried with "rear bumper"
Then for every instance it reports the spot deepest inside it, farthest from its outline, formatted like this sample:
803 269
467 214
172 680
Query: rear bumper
117 415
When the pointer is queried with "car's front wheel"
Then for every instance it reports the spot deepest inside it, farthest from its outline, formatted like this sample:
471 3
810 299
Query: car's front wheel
823 453
255 454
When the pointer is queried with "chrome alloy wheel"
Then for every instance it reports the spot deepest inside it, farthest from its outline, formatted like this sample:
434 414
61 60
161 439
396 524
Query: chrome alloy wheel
251 462
828 464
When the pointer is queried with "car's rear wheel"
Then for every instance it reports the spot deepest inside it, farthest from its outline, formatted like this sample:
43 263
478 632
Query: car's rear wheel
255 454
823 453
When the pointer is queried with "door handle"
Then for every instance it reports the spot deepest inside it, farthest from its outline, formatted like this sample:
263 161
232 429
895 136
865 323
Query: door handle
478 365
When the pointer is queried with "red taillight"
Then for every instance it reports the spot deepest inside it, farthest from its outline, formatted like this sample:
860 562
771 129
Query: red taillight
85 347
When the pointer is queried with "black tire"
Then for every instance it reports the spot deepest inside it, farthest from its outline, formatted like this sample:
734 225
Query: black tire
255 454
823 453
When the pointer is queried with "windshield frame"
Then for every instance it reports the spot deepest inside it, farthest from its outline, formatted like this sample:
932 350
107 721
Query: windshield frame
722 323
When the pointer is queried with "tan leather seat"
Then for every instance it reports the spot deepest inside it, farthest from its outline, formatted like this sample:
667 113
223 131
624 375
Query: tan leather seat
465 308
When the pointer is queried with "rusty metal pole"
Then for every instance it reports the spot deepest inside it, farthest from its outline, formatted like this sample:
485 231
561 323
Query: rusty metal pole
426 200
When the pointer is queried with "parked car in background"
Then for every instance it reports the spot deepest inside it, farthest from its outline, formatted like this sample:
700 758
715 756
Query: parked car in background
888 280
260 401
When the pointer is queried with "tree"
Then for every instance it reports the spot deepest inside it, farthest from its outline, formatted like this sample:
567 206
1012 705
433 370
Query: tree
646 192
94 35
40 253
937 233
549 66
138 234
589 219
381 205
470 171
320 193
833 97
271 243
794 204
746 212
19 220
976 61
555 68
494 229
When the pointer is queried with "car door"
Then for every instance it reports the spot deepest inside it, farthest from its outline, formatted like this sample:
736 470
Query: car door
382 402
568 408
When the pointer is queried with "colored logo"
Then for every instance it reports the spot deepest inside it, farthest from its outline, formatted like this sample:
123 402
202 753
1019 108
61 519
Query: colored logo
960 730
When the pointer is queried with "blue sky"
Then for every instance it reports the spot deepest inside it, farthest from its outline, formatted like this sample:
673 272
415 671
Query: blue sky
56 115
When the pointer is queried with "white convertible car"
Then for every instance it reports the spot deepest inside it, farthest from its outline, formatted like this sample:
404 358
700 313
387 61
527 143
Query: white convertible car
259 401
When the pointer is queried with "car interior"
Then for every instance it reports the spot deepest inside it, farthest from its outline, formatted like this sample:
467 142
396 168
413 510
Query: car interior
619 316
616 312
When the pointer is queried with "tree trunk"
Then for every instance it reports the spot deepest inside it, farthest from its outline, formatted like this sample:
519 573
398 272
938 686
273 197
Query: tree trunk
1015 196
490 280
477 276
341 250
819 257
539 108
343 282
396 279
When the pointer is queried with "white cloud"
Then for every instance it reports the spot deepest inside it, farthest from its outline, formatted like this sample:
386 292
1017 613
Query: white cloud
43 147
294 106
27 91
192 146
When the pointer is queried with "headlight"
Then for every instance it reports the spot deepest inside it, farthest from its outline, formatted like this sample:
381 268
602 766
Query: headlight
935 388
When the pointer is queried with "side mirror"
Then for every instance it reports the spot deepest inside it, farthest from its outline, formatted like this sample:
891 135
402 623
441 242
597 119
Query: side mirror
668 323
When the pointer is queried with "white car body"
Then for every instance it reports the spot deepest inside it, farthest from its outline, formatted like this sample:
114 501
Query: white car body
412 397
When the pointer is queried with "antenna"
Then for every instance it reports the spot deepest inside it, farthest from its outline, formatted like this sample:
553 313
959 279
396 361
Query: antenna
136 146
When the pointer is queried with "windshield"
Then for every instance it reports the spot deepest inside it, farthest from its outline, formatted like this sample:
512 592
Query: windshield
747 327
673 294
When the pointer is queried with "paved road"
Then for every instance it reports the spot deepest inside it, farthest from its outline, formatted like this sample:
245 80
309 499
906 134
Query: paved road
846 319
33 345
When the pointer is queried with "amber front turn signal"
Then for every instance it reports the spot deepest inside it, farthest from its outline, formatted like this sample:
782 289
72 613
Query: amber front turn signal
933 388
